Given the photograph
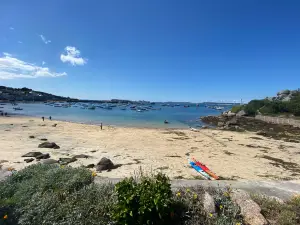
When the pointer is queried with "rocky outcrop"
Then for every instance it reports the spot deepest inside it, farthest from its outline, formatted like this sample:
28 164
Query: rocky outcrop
249 209
242 123
49 145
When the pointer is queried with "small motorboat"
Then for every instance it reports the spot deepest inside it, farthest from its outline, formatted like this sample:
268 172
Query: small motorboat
17 108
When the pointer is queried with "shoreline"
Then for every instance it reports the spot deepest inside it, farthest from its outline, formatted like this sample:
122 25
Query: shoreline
231 155
95 124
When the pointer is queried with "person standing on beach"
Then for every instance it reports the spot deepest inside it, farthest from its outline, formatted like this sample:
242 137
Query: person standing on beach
50 118
101 126
43 118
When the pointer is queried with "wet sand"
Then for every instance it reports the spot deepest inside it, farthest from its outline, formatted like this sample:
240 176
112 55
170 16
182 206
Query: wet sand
232 155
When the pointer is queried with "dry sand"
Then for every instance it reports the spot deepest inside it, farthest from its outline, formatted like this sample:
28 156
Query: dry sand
225 152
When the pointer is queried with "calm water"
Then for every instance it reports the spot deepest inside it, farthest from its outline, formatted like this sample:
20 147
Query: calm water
178 116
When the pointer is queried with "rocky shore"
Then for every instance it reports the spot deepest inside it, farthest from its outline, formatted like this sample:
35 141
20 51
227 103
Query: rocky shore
239 122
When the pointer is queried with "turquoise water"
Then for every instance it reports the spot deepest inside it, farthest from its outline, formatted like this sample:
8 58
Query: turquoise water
177 116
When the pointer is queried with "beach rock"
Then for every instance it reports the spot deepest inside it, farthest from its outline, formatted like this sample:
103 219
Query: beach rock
49 145
32 154
293 141
49 161
90 166
250 210
104 164
66 161
263 133
208 203
241 113
221 124
3 161
230 114
29 160
43 156
232 122
54 125
81 156
31 136
44 139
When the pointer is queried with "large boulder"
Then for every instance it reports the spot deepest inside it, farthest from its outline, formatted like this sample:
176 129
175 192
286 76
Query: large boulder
232 122
250 210
241 113
48 145
104 164
208 203
32 154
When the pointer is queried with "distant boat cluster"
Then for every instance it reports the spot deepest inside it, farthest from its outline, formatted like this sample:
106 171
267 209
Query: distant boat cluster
140 107
216 107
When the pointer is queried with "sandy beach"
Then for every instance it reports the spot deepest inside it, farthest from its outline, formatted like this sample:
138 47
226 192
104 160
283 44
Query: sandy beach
232 155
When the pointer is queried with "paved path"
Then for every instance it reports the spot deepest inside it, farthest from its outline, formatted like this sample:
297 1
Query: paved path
281 189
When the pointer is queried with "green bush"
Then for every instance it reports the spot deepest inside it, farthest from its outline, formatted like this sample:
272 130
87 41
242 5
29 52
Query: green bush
237 108
90 205
148 201
35 181
253 106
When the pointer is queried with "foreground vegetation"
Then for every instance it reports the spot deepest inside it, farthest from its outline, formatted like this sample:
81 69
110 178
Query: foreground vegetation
47 194
279 213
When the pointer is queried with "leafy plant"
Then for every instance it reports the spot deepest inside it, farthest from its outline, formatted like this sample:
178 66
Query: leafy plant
148 201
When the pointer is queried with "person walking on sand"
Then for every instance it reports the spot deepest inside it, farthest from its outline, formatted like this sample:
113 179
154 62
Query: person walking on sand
43 118
101 126
50 118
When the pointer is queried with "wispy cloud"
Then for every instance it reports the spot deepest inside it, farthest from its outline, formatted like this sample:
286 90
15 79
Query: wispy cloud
44 39
72 56
43 63
11 28
20 42
12 68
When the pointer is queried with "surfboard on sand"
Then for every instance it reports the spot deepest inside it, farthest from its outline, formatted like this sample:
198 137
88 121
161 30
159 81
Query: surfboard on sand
199 170
205 169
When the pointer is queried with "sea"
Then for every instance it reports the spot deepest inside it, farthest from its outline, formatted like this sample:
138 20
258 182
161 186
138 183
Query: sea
178 115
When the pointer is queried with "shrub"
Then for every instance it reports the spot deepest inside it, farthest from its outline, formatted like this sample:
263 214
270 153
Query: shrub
254 105
237 108
192 212
287 213
148 201
40 181
90 205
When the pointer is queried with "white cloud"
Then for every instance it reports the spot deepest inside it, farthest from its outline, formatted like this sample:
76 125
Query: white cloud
72 56
11 28
43 63
20 42
44 39
12 68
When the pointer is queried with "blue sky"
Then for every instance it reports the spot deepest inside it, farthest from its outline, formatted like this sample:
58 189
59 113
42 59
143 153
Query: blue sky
158 50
